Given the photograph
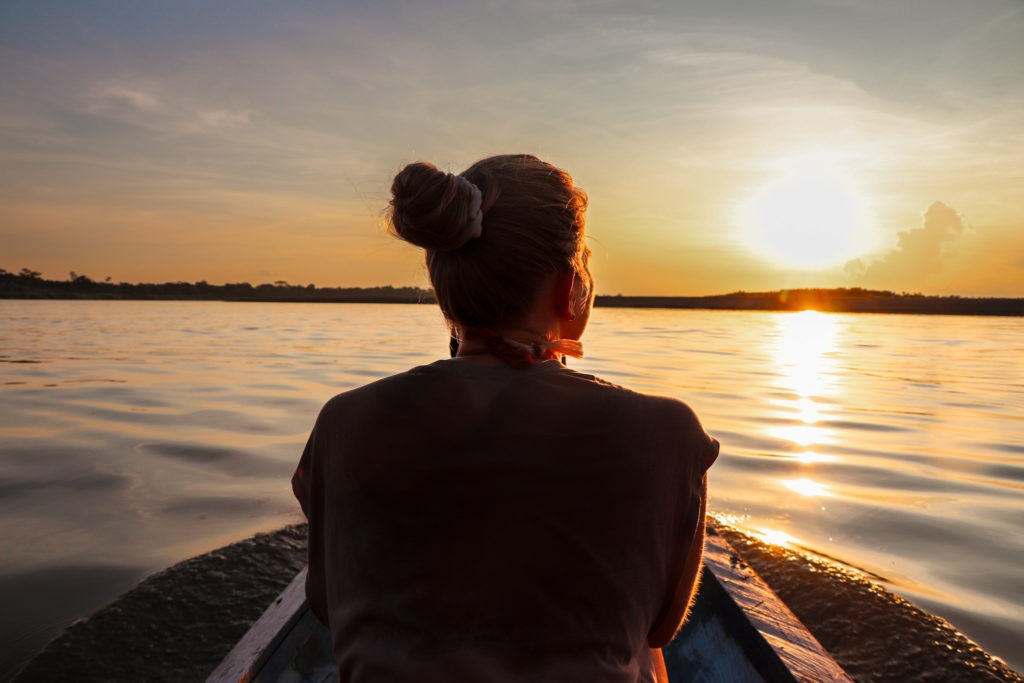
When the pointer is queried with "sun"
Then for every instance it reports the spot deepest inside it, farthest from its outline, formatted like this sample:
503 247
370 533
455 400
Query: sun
810 217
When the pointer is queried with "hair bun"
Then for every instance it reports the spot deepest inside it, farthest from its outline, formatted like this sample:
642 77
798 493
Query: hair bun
432 209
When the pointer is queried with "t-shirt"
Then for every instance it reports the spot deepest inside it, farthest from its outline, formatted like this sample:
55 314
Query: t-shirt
479 523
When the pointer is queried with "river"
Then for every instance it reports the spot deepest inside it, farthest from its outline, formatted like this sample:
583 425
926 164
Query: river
134 434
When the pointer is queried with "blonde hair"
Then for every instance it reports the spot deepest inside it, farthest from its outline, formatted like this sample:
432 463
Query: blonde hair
533 221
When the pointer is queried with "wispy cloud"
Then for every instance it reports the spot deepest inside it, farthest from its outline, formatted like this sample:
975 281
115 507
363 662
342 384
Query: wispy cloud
115 96
150 107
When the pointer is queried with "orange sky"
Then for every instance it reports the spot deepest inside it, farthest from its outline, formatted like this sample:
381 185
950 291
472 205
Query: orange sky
740 145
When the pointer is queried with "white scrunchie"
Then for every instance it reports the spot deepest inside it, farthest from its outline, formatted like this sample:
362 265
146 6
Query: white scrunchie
475 226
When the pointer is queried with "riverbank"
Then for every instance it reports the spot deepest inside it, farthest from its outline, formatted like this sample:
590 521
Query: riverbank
29 285
178 624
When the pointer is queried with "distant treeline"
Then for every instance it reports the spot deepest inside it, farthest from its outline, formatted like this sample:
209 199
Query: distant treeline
29 284
840 300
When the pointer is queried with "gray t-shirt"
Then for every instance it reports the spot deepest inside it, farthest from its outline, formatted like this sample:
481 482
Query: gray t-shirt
478 523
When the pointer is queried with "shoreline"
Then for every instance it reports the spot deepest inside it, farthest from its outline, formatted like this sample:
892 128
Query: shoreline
178 624
996 308
28 285
928 306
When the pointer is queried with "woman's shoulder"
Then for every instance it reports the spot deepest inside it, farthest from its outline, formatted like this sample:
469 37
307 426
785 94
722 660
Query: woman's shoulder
381 389
667 407
669 425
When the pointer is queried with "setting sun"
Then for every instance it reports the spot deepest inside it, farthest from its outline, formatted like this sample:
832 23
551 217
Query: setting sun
809 217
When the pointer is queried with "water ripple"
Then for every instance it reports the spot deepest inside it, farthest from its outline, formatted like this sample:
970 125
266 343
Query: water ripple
157 429
232 461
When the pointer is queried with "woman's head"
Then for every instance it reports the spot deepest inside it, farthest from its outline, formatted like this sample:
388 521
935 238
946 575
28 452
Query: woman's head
532 228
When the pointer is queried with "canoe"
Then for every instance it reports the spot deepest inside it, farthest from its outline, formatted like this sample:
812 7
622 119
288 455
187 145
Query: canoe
738 631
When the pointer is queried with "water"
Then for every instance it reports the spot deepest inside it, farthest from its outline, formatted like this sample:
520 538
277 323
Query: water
136 434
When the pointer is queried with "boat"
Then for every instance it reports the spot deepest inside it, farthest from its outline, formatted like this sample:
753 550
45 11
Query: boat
738 631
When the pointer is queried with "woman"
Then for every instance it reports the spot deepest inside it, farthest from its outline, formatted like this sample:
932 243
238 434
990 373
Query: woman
497 516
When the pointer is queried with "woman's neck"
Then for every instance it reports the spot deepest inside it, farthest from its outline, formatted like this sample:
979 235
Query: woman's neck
538 335
519 351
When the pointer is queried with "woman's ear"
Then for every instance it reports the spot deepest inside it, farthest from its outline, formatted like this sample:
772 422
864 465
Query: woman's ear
564 295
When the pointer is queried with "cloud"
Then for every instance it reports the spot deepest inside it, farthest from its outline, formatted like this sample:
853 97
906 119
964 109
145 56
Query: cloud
222 117
148 107
920 253
138 99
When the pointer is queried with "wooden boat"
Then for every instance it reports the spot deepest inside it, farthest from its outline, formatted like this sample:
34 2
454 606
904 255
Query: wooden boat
738 631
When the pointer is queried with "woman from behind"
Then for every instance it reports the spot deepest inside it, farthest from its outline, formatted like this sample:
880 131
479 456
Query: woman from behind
497 516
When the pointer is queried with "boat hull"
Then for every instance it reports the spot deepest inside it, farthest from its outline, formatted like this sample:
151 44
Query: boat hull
738 631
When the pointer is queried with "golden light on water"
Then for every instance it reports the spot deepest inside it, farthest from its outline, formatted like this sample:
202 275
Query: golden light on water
806 487
803 355
742 522
805 362
774 537
811 457
802 435
808 411
803 359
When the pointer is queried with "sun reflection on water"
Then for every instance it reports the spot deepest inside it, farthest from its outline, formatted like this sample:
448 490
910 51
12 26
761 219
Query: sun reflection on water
804 356
774 537
807 410
802 435
811 457
806 487
742 523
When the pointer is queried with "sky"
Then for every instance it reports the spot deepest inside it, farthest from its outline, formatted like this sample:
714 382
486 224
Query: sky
733 145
